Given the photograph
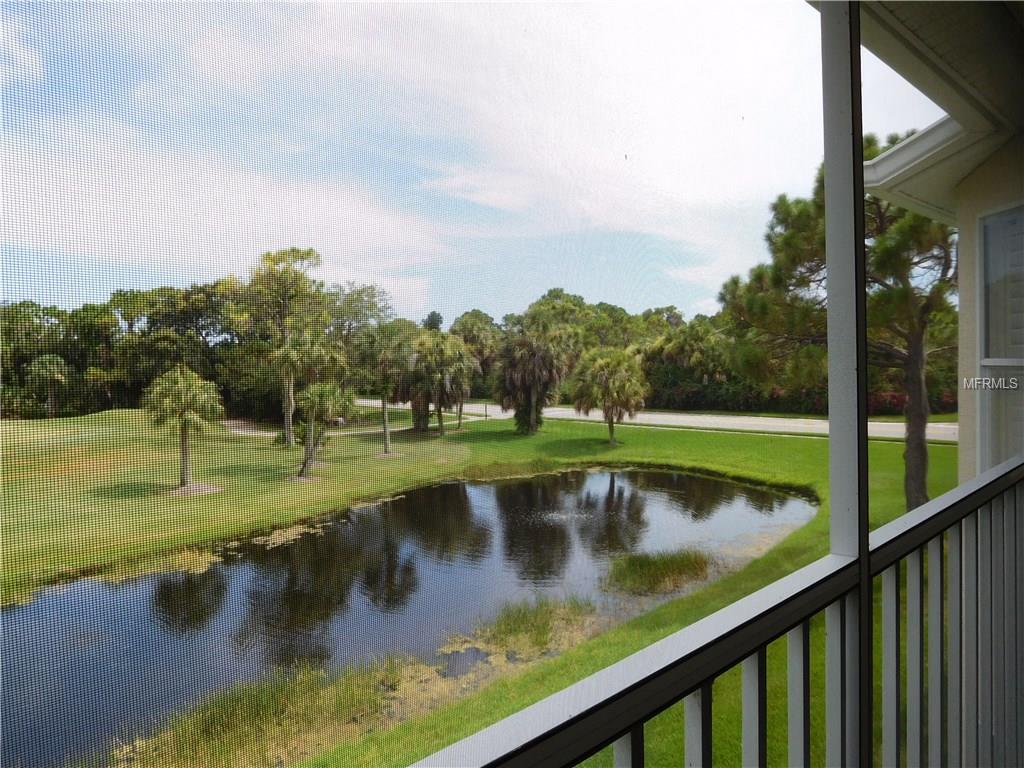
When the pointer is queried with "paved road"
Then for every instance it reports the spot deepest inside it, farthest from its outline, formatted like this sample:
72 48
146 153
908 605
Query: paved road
936 431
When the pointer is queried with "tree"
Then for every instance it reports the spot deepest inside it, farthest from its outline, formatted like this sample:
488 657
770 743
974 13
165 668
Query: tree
433 321
183 397
779 312
322 403
307 358
530 368
684 365
385 353
462 366
285 300
415 384
442 364
610 379
49 372
482 335
355 307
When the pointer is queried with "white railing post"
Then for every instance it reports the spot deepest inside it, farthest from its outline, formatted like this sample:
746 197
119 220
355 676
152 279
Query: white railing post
755 710
628 750
954 695
891 665
698 727
969 529
936 655
798 678
847 379
915 658
985 635
1012 673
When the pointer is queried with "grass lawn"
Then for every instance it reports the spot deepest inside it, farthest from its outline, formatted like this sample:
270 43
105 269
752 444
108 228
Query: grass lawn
933 418
805 463
87 494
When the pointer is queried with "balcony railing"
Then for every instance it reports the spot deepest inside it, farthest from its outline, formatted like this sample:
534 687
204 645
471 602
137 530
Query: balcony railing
963 645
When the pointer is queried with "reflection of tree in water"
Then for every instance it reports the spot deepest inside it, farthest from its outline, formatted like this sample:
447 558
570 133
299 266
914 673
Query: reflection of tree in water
389 579
614 520
441 520
536 541
702 497
297 589
186 601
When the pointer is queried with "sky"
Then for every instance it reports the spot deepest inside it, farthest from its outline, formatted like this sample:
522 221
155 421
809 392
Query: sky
460 156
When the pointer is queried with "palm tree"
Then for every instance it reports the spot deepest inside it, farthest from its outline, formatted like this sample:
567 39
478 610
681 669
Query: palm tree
612 380
51 372
183 397
432 364
306 357
462 366
322 403
386 351
530 368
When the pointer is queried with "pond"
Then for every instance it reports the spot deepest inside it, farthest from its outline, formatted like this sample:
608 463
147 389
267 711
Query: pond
91 662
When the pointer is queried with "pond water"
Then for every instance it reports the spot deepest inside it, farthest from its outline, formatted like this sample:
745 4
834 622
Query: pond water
91 662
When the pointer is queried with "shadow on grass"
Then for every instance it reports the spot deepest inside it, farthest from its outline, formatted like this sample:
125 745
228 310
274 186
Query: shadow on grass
267 473
131 489
484 436
578 447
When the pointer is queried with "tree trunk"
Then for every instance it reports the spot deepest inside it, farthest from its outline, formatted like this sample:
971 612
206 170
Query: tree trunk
384 417
186 464
420 413
51 400
440 418
309 449
915 454
533 410
459 424
288 407
611 431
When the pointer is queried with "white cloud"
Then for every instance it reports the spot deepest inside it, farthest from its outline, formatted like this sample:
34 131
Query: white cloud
629 117
17 60
678 120
86 192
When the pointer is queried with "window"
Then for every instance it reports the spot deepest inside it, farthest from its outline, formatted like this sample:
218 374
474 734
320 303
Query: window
1001 428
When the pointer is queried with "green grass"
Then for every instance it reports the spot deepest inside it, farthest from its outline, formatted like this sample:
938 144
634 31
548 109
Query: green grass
255 723
643 573
938 418
532 621
88 494
91 493
756 457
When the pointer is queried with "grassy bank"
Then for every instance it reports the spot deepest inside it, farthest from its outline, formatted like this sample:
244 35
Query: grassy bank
290 713
93 493
301 712
805 462
533 624
642 574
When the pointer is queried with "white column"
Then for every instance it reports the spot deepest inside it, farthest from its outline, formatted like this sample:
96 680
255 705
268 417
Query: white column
847 360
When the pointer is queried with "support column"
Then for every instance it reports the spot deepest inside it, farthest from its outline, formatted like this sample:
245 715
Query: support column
847 364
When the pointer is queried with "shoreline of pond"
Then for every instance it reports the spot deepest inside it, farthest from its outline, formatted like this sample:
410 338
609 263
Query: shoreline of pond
185 557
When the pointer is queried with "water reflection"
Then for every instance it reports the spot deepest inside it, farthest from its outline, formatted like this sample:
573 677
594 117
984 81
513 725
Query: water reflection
398 577
455 533
613 521
187 601
535 527
389 578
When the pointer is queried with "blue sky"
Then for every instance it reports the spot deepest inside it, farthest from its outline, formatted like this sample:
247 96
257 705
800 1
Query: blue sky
460 156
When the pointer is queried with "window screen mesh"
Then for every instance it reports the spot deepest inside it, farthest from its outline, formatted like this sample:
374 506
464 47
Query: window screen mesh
366 367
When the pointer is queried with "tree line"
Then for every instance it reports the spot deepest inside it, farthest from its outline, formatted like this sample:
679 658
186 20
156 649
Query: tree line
279 340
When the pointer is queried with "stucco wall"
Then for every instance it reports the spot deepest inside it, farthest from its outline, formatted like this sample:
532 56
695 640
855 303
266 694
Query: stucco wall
996 184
